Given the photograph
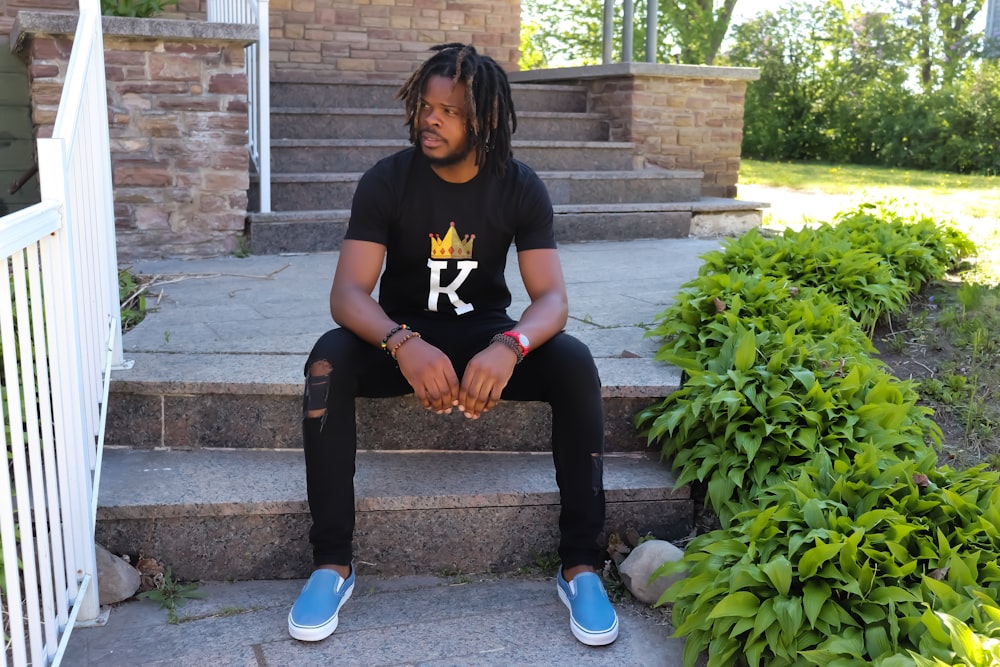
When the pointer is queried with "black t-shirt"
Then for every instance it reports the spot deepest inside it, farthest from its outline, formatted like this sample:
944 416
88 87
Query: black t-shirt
446 243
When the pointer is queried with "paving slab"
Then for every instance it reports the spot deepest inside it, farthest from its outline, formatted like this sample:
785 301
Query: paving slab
278 304
423 621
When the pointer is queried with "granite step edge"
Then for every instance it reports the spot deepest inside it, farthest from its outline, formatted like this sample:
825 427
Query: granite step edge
145 484
281 375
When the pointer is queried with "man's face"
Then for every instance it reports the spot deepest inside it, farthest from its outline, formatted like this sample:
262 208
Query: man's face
443 123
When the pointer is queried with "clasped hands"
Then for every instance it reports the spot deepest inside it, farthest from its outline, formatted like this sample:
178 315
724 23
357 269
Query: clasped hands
435 382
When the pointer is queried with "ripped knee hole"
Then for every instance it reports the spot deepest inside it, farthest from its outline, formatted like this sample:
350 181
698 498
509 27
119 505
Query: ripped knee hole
317 388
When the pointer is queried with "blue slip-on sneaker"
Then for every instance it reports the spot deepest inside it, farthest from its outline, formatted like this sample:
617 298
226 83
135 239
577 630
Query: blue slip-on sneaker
314 615
591 617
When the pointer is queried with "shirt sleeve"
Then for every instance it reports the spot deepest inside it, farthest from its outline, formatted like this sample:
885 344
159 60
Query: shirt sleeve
372 208
534 215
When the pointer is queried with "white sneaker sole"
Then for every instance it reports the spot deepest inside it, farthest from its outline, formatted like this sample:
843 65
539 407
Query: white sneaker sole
315 633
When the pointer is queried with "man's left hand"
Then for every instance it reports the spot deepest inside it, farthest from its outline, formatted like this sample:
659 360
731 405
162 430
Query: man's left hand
484 380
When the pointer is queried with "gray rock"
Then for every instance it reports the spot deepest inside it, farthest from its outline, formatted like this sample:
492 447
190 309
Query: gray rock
639 565
116 579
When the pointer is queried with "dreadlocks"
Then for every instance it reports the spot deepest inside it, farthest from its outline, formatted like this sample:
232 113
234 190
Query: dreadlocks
488 103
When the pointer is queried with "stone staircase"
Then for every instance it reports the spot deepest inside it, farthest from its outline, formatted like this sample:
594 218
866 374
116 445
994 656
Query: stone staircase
203 468
325 134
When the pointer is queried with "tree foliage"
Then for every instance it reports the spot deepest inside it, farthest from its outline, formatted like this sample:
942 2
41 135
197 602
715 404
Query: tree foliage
896 83
688 31
696 27
893 82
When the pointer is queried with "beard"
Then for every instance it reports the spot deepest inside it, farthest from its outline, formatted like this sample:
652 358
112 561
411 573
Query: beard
454 157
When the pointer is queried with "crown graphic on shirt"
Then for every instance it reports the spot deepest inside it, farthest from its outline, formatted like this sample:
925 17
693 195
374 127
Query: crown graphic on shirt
452 246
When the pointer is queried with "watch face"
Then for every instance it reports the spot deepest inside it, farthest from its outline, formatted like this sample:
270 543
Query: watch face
523 340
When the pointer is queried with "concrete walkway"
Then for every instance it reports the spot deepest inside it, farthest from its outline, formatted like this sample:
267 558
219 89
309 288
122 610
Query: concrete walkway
274 307
426 621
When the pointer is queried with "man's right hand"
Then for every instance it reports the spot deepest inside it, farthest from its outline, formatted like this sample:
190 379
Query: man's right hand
431 374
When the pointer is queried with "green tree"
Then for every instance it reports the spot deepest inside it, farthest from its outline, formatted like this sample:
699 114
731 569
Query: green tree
563 31
942 36
688 31
844 81
697 27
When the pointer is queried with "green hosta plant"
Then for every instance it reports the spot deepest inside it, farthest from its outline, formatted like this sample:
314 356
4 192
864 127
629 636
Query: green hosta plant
872 259
856 277
918 248
949 641
709 308
767 403
849 564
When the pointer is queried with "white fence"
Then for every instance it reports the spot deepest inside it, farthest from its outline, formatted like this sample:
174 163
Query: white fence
258 66
60 337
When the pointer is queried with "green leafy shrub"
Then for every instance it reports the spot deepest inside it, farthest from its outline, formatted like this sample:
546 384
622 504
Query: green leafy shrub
767 404
707 310
842 544
872 259
848 565
140 9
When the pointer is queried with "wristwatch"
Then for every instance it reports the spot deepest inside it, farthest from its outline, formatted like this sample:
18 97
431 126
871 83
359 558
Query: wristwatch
521 339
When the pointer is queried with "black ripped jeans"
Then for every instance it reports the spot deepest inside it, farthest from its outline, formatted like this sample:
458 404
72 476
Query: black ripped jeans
560 372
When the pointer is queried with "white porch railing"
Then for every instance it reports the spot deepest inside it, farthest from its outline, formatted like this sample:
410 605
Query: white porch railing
60 337
258 67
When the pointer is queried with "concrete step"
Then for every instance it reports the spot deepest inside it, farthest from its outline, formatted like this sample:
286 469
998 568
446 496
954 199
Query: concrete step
304 89
323 230
335 190
351 155
202 468
239 515
331 123
254 401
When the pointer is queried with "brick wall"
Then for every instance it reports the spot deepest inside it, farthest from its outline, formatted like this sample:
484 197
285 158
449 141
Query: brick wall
387 39
680 123
178 128
679 116
358 40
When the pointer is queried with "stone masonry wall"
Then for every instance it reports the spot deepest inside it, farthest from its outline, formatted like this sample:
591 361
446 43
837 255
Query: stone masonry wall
361 40
178 126
387 39
679 116
680 123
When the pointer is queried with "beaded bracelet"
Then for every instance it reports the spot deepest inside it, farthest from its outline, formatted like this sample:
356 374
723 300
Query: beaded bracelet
384 345
510 344
395 348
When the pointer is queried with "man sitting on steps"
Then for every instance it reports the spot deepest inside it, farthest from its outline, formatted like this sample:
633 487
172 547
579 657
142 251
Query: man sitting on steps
443 214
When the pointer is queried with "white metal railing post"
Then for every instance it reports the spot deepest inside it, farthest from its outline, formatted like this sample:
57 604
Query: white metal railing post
257 63
264 103
60 332
992 32
65 361
628 29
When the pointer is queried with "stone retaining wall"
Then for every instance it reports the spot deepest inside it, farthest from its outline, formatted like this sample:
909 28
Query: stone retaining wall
679 116
178 123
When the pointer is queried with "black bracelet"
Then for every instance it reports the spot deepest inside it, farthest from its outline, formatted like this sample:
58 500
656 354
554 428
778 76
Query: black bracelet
392 332
510 344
